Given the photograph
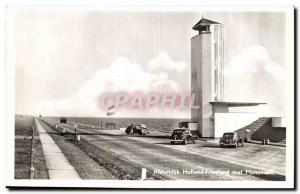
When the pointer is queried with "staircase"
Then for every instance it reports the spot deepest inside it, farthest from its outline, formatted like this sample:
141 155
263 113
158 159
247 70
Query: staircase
253 126
262 129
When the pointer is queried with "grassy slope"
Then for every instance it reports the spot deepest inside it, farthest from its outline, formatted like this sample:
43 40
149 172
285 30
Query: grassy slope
23 128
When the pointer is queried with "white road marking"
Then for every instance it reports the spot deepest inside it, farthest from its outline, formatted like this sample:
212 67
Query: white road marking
269 155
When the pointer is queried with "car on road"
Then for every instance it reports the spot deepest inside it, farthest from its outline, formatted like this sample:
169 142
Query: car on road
140 129
231 139
182 136
63 120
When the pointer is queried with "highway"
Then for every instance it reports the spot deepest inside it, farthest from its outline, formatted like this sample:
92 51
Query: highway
177 162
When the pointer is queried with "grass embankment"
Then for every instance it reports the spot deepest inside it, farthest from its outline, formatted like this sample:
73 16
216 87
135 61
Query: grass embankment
23 147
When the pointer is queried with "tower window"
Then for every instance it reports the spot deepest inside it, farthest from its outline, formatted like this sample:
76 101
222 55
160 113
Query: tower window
204 29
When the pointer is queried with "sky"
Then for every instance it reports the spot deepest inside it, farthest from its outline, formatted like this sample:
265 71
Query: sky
65 60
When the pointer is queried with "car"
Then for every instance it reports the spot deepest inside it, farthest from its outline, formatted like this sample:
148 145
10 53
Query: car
231 139
63 120
140 129
182 136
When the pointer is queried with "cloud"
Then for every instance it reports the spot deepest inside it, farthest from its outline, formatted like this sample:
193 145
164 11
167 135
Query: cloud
121 76
252 75
164 62
124 75
254 59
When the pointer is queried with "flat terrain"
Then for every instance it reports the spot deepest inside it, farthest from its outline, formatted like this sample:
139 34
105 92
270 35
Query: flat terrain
22 147
200 161
23 144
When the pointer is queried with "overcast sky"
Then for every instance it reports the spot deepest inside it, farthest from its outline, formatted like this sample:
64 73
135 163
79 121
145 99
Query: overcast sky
66 60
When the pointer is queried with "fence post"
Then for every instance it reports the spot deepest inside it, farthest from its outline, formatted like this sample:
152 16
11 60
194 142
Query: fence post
77 137
144 174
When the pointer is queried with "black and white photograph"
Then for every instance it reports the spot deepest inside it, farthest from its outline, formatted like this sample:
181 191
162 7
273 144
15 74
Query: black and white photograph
150 98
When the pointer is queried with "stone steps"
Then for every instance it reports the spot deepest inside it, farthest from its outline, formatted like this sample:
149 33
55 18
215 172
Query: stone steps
262 129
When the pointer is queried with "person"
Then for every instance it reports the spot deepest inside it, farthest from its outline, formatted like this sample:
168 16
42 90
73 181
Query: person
129 129
189 133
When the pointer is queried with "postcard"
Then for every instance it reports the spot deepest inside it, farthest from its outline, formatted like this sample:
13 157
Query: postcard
141 98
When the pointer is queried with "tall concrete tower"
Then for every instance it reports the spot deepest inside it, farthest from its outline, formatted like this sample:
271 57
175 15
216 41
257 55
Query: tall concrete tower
207 72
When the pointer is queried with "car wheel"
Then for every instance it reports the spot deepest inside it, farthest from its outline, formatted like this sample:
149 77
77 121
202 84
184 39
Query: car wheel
221 146
172 142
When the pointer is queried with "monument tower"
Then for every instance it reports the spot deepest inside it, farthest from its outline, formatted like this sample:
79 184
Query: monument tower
207 71
207 82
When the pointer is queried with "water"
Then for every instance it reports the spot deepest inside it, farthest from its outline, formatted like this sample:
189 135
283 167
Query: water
152 123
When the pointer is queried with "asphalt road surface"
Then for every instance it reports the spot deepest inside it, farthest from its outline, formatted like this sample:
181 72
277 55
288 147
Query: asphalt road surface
179 164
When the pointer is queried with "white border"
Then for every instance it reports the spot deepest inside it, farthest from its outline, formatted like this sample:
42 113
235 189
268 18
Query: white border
14 6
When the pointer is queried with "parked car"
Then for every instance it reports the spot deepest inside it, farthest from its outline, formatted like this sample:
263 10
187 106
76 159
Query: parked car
182 136
140 129
231 139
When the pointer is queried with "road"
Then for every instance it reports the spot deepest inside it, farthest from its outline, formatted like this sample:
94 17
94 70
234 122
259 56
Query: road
177 162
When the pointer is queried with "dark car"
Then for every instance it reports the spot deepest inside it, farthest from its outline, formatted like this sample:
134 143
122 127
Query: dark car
231 139
140 129
182 136
63 120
